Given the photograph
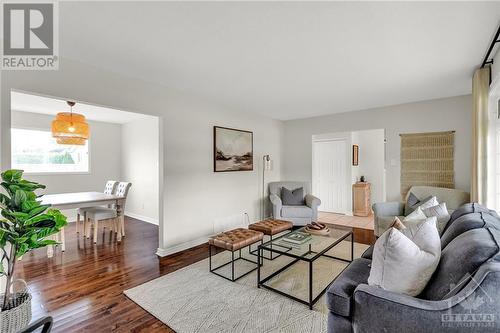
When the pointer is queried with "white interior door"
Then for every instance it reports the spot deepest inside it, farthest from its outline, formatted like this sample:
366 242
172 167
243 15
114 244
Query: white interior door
330 175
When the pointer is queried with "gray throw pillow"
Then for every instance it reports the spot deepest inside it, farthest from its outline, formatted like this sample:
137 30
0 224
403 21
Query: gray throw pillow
412 203
292 198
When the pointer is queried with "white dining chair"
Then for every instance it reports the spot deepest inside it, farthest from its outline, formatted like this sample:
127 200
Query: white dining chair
110 188
96 214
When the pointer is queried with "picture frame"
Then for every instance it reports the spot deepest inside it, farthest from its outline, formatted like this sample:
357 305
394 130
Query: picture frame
232 149
355 155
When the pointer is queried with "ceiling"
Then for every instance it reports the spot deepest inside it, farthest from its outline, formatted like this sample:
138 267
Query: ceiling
287 59
23 102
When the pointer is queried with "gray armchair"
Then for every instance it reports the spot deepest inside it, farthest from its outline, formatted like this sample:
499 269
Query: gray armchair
298 215
384 212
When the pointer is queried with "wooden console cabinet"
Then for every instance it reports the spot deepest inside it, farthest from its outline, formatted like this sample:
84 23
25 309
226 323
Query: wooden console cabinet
361 199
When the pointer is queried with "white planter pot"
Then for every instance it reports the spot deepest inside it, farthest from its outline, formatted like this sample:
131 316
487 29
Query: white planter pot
17 318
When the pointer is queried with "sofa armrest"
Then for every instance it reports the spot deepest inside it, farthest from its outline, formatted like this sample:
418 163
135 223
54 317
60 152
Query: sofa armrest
384 213
378 310
312 201
276 201
394 208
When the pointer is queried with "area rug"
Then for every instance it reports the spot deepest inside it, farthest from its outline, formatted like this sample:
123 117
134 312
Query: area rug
193 300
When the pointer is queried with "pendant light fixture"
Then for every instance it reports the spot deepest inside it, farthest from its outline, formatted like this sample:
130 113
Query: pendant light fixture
70 128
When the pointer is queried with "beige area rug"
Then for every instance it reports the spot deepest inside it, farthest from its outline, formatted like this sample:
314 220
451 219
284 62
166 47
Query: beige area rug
193 300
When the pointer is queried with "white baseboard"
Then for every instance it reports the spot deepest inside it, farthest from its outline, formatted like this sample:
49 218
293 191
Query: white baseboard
161 252
142 218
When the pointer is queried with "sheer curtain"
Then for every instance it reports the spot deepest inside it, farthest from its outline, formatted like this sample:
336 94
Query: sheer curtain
493 199
480 101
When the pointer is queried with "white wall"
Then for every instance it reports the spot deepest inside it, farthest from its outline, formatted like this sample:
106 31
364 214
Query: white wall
371 161
193 195
140 165
105 138
428 116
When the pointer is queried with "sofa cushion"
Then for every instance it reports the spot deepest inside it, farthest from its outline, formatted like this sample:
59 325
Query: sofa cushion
339 295
469 208
463 255
292 197
296 211
468 222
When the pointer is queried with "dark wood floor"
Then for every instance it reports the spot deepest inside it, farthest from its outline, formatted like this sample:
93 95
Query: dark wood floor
82 288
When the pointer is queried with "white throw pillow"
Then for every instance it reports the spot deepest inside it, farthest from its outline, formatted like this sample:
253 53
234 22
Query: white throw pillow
429 203
441 213
415 217
404 261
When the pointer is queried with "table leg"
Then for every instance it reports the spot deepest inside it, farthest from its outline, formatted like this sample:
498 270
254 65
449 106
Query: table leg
310 285
258 266
352 247
77 222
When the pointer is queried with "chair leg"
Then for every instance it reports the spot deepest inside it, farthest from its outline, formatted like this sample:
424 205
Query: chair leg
63 240
89 227
122 225
95 230
85 224
77 221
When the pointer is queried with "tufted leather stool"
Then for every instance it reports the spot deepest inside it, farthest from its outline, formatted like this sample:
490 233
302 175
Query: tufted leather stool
270 228
234 240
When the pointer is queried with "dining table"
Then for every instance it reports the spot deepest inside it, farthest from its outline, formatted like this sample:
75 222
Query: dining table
63 201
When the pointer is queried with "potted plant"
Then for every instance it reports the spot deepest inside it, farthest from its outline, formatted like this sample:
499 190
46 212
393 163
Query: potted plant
25 224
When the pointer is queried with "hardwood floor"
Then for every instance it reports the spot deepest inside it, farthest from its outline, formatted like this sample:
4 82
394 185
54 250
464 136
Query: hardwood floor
82 288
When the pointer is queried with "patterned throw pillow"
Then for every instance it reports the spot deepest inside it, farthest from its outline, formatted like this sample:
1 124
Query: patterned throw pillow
416 216
441 213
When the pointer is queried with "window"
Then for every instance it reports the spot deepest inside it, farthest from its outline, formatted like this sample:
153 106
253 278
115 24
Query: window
36 151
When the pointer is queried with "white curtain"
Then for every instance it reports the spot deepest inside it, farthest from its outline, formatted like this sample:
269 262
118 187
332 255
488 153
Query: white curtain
480 94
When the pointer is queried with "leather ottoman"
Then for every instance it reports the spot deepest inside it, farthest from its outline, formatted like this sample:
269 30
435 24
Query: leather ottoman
234 240
270 228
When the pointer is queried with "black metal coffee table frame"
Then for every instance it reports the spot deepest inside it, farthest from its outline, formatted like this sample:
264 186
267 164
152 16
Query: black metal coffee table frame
270 257
312 300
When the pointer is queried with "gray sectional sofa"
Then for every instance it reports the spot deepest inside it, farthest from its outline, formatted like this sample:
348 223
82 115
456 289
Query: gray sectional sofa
463 294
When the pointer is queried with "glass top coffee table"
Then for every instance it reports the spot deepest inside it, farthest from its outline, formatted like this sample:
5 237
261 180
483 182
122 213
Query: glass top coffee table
313 249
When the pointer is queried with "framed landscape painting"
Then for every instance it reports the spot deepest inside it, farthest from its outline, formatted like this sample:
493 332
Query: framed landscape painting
233 149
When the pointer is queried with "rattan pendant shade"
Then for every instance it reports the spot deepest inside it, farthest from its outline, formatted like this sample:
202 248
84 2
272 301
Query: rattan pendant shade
70 128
